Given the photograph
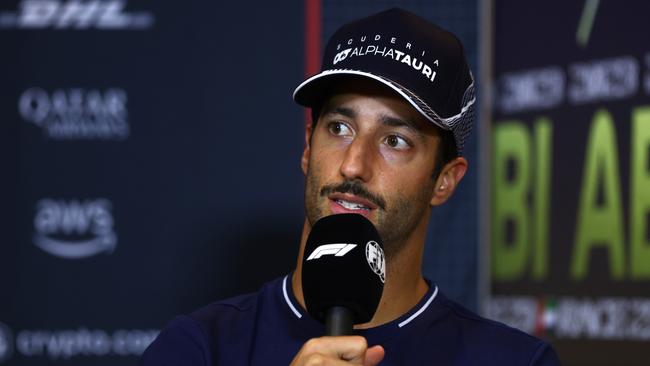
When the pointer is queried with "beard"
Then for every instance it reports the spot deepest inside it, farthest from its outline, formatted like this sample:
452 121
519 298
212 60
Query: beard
395 217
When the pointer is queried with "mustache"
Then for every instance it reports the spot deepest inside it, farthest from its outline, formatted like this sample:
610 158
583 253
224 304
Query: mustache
356 188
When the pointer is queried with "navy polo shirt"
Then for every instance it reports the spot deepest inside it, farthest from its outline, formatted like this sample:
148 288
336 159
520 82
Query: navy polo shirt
269 327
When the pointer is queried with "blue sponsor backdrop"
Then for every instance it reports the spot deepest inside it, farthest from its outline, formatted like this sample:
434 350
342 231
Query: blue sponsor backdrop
150 164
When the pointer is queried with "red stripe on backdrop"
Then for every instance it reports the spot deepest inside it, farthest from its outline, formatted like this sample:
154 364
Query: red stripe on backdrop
313 25
313 28
540 327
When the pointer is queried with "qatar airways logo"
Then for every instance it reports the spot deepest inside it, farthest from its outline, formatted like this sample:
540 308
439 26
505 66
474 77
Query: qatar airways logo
407 56
75 15
77 113
74 229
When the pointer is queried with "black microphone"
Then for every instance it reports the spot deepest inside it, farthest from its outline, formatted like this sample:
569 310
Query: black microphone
343 272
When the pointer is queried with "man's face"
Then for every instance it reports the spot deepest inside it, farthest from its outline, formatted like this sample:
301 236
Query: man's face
372 154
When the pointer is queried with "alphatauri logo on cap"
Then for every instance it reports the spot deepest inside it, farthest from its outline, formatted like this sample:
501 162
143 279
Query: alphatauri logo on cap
341 56
408 55
376 260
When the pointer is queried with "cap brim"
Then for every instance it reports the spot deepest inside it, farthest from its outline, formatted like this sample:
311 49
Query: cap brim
311 91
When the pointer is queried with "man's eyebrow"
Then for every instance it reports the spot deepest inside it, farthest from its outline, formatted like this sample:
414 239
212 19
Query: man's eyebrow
347 112
397 122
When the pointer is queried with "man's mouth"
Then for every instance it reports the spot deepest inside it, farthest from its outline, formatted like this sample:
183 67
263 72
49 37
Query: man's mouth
352 197
348 203
352 205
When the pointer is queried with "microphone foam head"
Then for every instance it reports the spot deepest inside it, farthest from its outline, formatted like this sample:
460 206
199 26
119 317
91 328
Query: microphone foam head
343 265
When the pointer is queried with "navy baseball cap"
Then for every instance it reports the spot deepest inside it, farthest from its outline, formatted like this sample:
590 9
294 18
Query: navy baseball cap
422 62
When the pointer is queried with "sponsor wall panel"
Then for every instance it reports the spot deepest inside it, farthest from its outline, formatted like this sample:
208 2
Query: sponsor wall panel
569 175
147 168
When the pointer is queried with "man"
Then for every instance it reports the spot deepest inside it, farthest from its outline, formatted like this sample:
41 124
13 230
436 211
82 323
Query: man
391 111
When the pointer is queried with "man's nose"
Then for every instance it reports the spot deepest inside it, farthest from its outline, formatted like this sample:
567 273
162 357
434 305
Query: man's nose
357 162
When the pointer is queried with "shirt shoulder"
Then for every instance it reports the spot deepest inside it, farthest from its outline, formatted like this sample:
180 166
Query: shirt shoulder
181 342
492 342
231 317
203 336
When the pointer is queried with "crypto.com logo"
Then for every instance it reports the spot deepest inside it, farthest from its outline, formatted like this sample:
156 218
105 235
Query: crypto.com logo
6 343
74 229
75 15
77 113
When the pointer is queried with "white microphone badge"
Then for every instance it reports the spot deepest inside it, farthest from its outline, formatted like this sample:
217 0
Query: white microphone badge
376 260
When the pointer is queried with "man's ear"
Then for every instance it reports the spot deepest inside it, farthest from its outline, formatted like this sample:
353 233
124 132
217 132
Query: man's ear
304 161
450 175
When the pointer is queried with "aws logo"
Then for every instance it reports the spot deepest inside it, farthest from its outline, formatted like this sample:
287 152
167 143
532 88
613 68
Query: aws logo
74 229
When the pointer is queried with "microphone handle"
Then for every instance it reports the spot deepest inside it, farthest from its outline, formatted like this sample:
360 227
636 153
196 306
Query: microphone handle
338 321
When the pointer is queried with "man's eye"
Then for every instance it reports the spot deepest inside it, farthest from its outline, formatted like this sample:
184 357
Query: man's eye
339 129
397 142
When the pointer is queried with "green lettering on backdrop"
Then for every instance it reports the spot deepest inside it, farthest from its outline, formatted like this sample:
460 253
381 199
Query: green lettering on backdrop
600 225
640 194
511 142
541 197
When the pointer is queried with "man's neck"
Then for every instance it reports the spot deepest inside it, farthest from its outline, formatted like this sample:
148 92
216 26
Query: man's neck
403 289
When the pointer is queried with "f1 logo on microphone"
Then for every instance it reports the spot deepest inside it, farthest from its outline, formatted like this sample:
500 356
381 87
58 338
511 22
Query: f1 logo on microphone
336 249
